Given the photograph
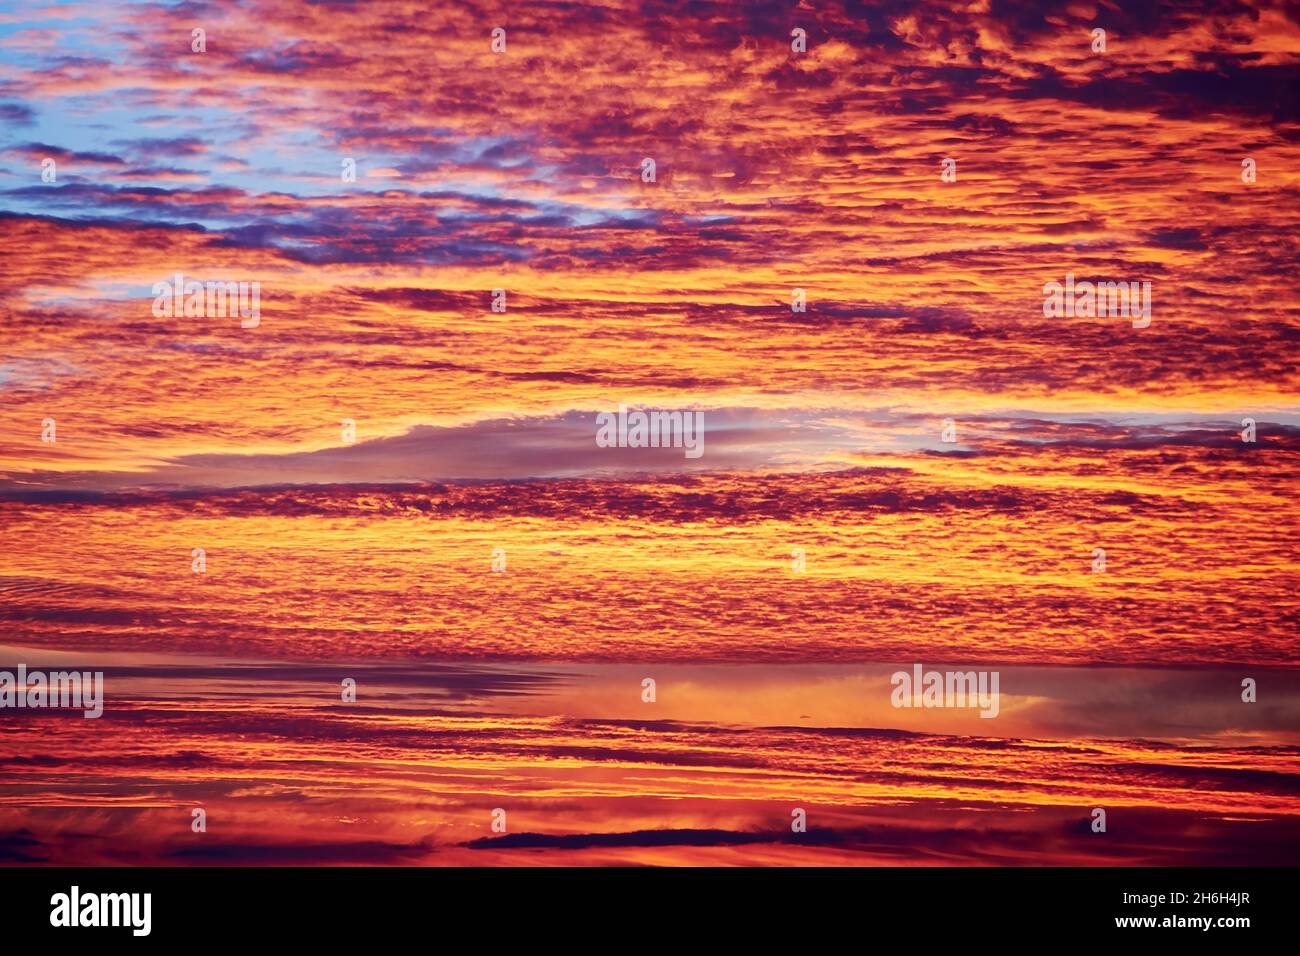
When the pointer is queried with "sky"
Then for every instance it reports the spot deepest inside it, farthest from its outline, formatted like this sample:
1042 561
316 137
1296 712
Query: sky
833 247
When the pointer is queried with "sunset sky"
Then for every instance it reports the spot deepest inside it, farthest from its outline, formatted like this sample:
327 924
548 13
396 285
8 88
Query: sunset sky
829 534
